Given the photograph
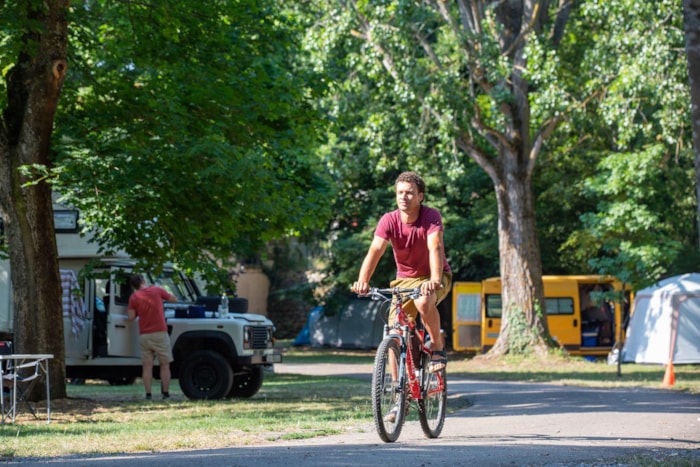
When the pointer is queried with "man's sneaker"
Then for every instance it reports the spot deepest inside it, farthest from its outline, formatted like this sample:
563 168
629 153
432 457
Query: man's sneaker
148 397
166 395
391 416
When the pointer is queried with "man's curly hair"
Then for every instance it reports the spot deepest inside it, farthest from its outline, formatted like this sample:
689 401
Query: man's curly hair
411 177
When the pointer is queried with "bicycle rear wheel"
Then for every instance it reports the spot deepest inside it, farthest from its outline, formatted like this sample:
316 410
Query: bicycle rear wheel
388 398
433 404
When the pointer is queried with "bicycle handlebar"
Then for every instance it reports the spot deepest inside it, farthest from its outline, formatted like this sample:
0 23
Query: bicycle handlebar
376 292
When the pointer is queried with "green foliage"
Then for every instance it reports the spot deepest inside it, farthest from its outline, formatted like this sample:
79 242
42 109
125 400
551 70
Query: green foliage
187 131
633 188
639 54
618 76
384 123
520 335
640 222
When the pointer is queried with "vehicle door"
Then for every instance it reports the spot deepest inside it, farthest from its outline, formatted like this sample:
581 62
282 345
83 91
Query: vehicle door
563 316
492 310
466 316
122 335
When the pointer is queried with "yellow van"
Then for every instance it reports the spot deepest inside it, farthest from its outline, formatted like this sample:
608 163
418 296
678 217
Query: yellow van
579 317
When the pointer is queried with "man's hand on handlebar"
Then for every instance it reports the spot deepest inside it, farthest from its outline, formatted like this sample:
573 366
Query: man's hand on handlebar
360 288
429 287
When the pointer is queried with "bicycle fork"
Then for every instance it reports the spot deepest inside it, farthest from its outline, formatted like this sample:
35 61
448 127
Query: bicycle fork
408 379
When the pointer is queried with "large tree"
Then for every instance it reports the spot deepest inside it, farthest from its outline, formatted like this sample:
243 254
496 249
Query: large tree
482 76
185 133
189 135
38 36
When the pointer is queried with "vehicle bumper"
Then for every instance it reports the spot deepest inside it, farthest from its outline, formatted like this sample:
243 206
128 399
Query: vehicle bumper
262 359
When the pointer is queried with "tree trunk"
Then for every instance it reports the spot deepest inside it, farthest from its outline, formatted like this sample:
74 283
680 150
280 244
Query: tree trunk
691 24
523 327
524 323
33 87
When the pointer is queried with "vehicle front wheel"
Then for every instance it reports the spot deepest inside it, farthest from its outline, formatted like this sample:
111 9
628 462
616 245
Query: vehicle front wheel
205 374
247 384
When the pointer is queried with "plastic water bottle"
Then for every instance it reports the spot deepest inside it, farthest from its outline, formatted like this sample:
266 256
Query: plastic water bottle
223 308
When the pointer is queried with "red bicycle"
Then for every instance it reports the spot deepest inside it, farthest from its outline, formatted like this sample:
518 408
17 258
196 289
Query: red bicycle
402 372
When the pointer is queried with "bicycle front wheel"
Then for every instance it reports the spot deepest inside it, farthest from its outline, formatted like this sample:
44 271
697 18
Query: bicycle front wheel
433 404
388 397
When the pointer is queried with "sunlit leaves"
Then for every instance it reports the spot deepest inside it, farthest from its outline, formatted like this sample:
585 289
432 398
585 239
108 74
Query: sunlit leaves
188 132
642 212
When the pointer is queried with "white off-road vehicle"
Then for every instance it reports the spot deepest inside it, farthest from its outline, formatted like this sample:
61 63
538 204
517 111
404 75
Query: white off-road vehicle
215 357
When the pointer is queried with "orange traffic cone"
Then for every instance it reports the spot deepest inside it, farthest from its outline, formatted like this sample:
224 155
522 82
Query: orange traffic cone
669 377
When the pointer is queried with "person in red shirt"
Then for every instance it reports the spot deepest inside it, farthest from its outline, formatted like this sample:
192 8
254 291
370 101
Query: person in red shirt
416 235
146 303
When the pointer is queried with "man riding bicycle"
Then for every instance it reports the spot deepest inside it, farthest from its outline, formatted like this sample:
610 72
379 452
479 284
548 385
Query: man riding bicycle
416 235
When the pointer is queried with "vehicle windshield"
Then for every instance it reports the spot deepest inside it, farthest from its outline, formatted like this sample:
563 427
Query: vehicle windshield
175 284
172 281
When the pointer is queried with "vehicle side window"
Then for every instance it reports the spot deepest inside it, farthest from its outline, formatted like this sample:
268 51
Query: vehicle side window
559 305
469 307
122 288
555 306
494 306
124 292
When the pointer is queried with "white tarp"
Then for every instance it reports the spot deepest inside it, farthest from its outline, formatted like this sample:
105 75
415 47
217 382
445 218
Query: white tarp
665 323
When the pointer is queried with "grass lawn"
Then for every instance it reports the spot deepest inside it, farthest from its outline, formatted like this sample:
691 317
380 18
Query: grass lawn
574 371
98 418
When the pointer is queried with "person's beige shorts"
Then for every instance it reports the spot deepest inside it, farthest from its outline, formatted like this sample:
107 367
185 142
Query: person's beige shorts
156 344
411 282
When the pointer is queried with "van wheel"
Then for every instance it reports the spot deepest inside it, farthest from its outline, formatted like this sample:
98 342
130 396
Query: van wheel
247 384
205 375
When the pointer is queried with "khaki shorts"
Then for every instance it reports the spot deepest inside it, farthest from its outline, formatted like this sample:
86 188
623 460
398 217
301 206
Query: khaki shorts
411 282
156 344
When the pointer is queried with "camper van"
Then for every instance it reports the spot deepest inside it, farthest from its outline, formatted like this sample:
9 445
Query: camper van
216 355
581 315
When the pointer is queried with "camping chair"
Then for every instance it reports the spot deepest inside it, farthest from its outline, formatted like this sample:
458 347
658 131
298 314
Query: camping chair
18 379
5 368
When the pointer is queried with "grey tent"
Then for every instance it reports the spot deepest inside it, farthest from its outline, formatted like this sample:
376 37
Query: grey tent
665 323
358 325
304 336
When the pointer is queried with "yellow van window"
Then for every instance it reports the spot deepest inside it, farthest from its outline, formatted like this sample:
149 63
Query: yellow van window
560 306
469 307
555 306
494 306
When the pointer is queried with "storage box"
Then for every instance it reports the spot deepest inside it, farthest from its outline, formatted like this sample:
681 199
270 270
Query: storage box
181 312
589 338
196 311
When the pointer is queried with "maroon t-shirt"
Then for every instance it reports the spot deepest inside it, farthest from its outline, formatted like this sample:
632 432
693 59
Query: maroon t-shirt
410 241
148 304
